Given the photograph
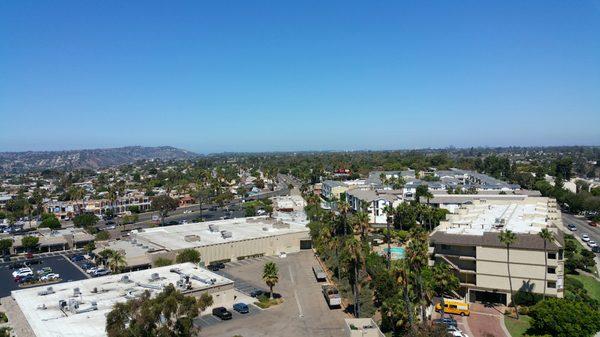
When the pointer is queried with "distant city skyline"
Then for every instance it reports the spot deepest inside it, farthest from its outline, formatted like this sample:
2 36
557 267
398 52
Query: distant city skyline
307 76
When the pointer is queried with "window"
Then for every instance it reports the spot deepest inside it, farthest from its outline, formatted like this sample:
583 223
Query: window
551 284
560 254
445 247
552 256
551 270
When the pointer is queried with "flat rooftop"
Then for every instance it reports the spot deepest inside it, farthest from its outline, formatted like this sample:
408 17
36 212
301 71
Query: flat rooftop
199 234
47 319
529 216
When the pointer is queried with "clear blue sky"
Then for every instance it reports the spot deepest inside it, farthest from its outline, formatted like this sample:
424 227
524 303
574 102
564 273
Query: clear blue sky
298 75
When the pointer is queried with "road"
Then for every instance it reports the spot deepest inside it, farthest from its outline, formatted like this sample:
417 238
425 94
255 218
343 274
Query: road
582 227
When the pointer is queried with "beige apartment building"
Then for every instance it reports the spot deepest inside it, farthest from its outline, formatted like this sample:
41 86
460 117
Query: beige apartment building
468 241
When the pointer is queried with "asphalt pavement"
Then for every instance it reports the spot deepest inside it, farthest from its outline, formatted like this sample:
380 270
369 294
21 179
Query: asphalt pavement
582 227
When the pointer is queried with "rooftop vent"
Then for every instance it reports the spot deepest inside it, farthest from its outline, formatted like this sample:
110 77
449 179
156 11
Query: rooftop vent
48 291
191 238
76 292
125 279
226 234
213 228
154 277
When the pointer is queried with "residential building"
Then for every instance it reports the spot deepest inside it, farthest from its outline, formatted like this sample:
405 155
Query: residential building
469 242
333 189
374 201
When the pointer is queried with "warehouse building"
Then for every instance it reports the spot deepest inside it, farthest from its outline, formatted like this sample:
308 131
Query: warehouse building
468 241
79 308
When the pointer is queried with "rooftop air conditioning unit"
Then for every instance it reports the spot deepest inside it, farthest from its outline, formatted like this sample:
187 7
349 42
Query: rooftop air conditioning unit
154 277
226 234
76 292
125 279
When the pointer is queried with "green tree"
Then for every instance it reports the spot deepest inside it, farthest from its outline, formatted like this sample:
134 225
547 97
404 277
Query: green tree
354 250
162 262
423 192
444 281
547 236
389 210
164 204
116 261
507 237
102 236
169 314
86 220
417 260
5 245
30 243
188 255
270 276
564 318
50 221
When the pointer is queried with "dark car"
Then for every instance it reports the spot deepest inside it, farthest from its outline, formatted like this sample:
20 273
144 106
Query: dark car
23 279
448 321
220 265
596 249
222 313
33 262
242 308
87 266
572 227
17 265
212 267
257 293
78 258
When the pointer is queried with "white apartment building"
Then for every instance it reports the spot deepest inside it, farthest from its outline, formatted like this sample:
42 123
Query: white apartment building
469 242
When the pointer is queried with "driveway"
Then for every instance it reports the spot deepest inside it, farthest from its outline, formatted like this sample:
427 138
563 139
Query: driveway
486 321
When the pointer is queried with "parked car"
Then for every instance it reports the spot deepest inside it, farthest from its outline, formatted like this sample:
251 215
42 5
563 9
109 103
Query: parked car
91 270
596 249
592 243
18 265
222 313
572 227
449 321
24 278
585 237
29 255
257 293
21 272
76 258
593 224
44 271
50 277
87 265
242 308
101 272
33 262
212 267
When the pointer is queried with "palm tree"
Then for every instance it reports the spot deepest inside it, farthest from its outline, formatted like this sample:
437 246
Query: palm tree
389 210
444 281
270 276
355 251
344 207
362 223
547 236
401 276
116 261
416 258
507 237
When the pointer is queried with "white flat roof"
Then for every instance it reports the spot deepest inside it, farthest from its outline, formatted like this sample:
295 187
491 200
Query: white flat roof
54 322
198 234
514 216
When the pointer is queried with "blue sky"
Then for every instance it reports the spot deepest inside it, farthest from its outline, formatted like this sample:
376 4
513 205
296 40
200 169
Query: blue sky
304 75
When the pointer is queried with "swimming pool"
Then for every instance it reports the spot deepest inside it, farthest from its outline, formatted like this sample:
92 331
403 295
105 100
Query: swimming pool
396 253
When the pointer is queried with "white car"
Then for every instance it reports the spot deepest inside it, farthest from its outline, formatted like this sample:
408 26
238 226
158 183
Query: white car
91 270
49 277
585 237
22 272
592 244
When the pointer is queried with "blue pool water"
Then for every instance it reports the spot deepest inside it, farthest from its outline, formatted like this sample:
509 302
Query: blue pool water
397 252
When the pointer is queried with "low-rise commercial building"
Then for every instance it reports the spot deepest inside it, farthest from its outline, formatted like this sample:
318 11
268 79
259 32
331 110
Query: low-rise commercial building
52 240
217 241
79 308
469 242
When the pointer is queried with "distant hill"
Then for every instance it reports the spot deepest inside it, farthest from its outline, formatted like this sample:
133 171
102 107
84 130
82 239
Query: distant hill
86 159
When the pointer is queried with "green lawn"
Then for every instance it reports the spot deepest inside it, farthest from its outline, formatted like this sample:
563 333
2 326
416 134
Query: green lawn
517 328
590 284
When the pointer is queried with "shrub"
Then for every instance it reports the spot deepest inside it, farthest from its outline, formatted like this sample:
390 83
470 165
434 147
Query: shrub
565 318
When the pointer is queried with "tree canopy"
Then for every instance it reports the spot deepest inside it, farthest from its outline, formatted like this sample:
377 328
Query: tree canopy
188 255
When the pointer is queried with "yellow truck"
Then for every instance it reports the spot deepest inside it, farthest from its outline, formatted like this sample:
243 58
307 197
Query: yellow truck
452 306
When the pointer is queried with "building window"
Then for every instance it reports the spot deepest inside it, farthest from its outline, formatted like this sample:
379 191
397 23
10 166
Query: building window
552 256
560 254
551 270
445 247
551 284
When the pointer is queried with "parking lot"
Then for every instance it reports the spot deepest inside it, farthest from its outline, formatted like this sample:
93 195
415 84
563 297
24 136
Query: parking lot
303 312
56 261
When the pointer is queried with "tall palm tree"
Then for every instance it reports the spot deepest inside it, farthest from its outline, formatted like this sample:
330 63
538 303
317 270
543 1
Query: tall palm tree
270 276
362 223
401 275
344 207
416 258
389 210
116 261
444 281
547 236
507 237
355 251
